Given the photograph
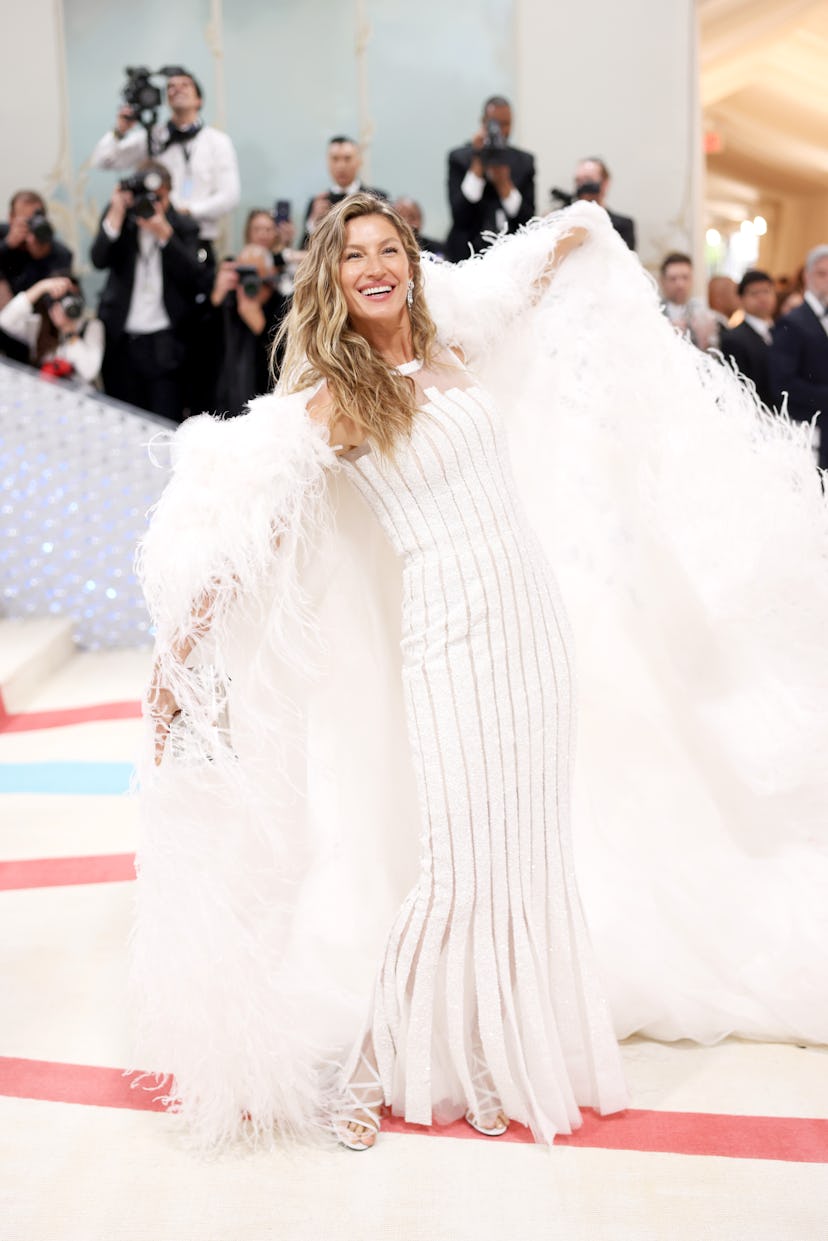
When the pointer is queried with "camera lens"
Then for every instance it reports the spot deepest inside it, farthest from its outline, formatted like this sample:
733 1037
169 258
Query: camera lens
72 305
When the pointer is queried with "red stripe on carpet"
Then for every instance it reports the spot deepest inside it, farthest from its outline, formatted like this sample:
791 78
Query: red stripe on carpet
784 1138
31 721
58 872
54 1082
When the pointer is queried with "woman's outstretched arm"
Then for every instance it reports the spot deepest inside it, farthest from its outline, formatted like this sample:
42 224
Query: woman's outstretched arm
473 301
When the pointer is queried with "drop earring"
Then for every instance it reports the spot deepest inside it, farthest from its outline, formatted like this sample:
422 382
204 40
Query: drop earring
409 297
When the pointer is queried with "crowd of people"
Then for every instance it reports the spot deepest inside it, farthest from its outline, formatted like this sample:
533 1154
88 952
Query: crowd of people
177 331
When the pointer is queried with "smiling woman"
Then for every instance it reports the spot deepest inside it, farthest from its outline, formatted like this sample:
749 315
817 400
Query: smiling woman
471 1015
374 317
357 882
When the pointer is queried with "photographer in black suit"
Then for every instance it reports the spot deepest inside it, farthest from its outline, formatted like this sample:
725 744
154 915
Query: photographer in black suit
799 353
592 180
157 269
29 252
749 343
491 185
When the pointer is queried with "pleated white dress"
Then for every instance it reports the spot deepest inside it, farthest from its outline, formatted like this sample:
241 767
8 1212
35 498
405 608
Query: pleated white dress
487 981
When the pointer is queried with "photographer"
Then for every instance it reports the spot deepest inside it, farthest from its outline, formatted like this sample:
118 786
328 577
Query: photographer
29 251
246 310
592 181
50 320
276 233
491 185
155 276
201 160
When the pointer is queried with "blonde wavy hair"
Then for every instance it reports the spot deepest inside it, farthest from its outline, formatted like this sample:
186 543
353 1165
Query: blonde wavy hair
322 344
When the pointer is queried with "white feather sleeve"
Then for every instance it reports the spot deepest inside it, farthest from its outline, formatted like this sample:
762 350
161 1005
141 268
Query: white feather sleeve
239 489
473 301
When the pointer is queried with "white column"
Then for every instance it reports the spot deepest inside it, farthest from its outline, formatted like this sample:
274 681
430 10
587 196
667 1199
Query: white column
620 81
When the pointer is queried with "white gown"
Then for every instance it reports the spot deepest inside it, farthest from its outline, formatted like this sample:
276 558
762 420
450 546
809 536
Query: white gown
690 537
487 979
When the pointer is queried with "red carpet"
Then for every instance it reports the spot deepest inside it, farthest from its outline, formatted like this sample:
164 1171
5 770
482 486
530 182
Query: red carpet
784 1138
55 872
31 721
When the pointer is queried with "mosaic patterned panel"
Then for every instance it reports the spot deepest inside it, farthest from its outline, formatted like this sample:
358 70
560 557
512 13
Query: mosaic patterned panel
76 481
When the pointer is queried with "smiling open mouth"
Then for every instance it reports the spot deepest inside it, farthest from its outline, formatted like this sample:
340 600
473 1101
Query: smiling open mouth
377 290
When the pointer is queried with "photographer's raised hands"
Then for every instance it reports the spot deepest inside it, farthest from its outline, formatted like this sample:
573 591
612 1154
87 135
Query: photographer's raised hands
124 121
158 224
119 205
55 286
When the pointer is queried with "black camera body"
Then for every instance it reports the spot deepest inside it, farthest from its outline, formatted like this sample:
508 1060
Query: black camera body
143 97
41 229
72 303
588 190
494 144
250 282
139 93
144 187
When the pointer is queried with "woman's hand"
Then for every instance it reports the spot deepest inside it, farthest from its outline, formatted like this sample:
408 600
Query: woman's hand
55 286
569 242
163 709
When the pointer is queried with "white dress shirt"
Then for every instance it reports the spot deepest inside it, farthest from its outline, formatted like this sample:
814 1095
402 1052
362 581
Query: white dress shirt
204 171
147 312
762 327
472 187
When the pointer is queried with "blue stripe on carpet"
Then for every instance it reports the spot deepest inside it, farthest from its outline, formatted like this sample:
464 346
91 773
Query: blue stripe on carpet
87 778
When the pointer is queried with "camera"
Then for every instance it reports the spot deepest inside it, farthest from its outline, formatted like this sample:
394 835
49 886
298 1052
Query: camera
494 144
142 97
40 228
139 92
72 303
144 187
250 282
589 190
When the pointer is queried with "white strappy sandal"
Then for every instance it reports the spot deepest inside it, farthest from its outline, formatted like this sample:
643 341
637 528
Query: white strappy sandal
362 1106
488 1101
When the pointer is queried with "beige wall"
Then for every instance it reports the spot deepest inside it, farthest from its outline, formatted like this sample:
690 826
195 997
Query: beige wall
33 111
620 81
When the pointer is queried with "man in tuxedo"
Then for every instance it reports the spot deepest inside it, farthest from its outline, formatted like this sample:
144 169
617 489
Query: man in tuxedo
344 163
749 343
157 271
491 185
592 181
799 352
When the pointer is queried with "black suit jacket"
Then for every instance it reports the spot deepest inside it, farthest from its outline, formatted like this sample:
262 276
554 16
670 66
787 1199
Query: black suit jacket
624 225
22 271
185 276
799 366
469 220
751 355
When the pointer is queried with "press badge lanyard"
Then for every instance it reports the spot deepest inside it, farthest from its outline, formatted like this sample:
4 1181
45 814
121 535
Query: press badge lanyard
186 149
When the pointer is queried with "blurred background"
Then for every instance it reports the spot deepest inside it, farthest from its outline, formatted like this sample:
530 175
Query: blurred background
711 115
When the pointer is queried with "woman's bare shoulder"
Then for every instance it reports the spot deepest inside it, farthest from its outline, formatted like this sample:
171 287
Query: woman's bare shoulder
320 407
